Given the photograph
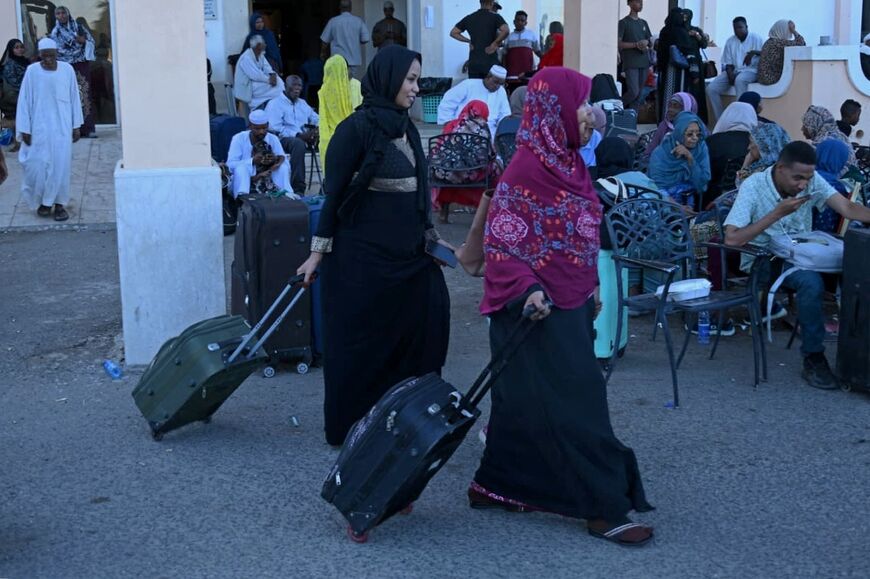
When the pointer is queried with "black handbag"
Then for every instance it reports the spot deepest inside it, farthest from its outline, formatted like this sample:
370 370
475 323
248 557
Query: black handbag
678 59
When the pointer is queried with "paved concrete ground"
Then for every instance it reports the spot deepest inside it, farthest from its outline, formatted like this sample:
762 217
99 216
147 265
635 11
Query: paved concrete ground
748 483
92 186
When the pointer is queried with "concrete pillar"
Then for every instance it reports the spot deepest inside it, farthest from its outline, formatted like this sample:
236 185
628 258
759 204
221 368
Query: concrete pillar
847 28
168 203
590 36
8 20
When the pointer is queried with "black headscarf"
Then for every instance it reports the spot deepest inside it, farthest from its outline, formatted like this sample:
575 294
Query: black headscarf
22 60
675 32
382 82
380 120
613 156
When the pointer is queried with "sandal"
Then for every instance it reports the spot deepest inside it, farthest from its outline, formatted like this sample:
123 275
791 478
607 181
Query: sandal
60 214
628 534
43 211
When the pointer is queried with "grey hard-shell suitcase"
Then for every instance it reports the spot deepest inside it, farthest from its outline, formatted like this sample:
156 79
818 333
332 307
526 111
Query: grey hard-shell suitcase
196 371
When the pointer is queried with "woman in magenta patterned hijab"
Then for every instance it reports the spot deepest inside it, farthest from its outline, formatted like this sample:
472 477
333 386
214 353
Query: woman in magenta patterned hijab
543 222
549 443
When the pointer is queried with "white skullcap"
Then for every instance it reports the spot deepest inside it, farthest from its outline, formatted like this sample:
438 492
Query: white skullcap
498 72
46 44
258 117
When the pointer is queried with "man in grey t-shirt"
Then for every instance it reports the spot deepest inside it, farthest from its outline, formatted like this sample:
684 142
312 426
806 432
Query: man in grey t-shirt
634 44
345 34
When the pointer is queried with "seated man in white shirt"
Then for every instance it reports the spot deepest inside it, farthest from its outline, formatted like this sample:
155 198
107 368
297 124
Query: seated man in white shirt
295 123
739 63
489 90
780 201
254 81
256 159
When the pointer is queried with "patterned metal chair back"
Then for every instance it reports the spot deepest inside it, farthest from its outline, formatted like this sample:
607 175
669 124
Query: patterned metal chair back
459 152
506 145
640 148
652 229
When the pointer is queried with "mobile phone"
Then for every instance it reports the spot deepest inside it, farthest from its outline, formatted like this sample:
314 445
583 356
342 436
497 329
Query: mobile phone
441 253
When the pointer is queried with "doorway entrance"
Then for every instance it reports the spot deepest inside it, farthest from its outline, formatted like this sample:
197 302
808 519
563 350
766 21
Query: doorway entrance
297 24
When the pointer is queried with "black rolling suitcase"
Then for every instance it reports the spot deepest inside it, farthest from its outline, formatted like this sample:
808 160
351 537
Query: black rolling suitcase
273 240
853 341
194 373
390 455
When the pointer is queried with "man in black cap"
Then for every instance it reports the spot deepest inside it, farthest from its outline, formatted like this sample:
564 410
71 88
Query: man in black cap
487 30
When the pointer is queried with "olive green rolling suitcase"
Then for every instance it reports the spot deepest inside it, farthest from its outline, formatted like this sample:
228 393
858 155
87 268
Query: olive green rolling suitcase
196 371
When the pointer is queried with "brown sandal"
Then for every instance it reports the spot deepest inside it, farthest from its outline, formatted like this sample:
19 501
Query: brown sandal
60 214
44 211
627 534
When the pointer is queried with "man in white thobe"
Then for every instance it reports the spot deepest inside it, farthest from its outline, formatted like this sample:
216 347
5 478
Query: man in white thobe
489 90
739 63
254 81
47 123
295 123
247 164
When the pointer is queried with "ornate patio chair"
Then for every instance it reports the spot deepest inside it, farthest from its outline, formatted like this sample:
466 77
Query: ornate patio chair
654 234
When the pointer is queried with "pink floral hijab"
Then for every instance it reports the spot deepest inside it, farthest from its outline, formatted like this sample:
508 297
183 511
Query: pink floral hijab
543 222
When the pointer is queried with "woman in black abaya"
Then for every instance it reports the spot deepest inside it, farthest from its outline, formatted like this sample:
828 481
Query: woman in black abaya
673 79
387 310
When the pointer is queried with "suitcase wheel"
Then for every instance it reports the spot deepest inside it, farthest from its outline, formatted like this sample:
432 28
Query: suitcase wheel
268 372
302 368
621 352
407 510
845 386
357 537
158 436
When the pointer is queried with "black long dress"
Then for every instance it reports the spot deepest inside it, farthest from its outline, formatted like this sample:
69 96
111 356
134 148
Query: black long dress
723 147
550 444
386 306
672 79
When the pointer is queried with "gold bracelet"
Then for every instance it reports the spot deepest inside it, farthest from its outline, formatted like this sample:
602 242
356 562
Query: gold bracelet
321 244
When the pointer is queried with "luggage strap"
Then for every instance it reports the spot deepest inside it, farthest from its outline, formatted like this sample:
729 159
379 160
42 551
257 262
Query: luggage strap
501 358
250 335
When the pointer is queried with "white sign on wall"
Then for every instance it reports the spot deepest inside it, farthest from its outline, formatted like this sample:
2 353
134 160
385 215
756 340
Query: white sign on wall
211 10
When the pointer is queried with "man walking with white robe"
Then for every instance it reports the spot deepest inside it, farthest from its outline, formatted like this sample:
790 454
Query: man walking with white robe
47 123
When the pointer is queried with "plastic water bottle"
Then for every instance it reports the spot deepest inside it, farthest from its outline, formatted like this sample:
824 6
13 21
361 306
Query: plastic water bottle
113 370
6 136
704 327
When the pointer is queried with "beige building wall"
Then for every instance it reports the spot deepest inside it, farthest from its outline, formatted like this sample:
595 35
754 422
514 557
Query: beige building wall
589 47
160 129
8 20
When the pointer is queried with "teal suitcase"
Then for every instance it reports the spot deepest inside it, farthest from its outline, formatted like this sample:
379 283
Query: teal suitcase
194 373
605 323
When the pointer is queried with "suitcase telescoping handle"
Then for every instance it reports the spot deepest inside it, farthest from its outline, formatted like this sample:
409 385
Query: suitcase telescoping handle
296 279
501 358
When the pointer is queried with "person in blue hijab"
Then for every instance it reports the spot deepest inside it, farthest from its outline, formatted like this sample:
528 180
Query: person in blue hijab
273 53
680 165
832 155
